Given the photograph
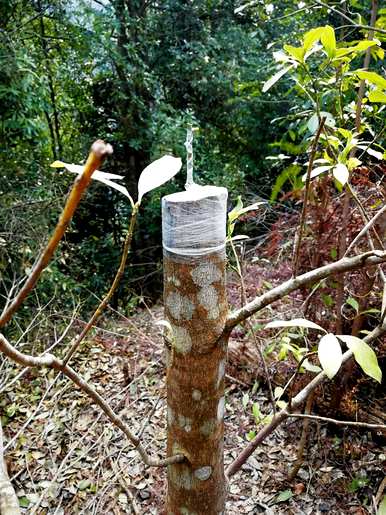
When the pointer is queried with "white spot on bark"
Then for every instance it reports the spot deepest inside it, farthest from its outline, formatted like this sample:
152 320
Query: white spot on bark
220 409
208 427
170 416
174 280
181 339
208 298
185 423
221 372
203 473
206 274
196 395
185 511
180 307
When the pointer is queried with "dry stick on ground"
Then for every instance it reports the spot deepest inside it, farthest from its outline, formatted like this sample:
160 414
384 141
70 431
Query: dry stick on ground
9 504
299 236
48 360
297 401
99 151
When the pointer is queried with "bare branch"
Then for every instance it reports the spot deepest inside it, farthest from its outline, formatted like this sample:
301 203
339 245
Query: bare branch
365 425
48 360
299 235
371 258
98 152
352 23
297 401
365 229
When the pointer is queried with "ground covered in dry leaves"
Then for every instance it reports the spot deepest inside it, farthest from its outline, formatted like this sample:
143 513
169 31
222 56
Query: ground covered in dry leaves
65 458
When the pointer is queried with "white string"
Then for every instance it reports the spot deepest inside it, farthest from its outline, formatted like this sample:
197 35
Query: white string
189 158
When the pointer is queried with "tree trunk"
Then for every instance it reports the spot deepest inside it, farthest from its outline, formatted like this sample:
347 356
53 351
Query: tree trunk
196 306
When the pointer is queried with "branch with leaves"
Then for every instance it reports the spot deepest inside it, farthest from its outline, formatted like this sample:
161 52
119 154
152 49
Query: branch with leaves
296 403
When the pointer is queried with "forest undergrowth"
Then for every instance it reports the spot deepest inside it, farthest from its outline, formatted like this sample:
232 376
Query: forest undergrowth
62 461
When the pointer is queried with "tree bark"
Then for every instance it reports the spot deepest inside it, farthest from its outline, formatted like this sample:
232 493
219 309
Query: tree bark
196 307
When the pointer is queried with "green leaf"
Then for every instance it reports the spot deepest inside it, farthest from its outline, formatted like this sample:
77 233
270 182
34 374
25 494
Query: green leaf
245 400
296 322
256 412
85 483
296 52
251 435
377 96
330 354
24 502
353 303
310 367
372 77
278 75
353 163
278 391
283 496
288 174
311 37
364 356
328 41
317 171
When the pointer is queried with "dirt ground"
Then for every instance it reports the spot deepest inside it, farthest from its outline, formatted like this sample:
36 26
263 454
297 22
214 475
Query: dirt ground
65 458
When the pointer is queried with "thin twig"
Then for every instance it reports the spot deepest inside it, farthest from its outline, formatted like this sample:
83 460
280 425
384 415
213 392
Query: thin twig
110 293
352 23
365 229
365 425
299 236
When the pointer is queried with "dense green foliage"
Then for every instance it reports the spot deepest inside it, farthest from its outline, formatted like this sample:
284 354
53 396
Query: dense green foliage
137 73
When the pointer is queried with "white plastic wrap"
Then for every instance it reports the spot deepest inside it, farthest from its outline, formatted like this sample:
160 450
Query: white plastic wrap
194 221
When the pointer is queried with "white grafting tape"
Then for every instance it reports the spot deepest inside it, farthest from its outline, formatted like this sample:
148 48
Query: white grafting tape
194 221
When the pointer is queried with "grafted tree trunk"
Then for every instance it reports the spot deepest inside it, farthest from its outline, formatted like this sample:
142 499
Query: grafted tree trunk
196 306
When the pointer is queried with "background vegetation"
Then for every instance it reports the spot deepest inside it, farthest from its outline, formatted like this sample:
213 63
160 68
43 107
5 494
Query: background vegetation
137 73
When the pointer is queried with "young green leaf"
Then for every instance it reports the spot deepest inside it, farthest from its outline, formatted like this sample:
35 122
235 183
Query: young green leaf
373 78
377 96
311 37
157 173
328 41
296 322
330 354
278 75
353 303
364 356
341 173
296 52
